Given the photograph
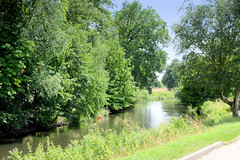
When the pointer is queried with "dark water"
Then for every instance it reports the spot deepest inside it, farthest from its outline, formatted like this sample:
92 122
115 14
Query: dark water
147 114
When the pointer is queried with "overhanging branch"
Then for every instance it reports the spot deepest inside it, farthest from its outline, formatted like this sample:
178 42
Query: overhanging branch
225 100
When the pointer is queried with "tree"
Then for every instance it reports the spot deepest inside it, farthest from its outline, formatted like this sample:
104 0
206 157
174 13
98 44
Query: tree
157 84
97 61
46 28
208 36
142 34
48 65
121 88
61 58
13 47
86 59
31 50
191 90
15 52
170 77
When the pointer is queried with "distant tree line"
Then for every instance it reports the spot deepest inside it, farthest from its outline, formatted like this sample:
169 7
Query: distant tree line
70 58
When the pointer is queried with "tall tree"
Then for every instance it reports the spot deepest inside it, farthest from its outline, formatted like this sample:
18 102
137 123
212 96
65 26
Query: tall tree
15 51
191 89
31 49
209 34
143 34
121 88
46 28
88 22
170 77
12 46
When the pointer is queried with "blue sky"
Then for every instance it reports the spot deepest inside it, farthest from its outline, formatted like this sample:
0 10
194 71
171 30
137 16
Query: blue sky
168 11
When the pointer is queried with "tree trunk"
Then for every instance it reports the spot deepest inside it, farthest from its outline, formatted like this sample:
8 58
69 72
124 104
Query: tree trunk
235 109
233 104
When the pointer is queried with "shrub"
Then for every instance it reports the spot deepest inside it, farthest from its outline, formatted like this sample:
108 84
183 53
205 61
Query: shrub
213 112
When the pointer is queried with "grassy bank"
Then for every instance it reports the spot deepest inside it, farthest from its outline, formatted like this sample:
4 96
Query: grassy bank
162 95
225 131
170 140
157 94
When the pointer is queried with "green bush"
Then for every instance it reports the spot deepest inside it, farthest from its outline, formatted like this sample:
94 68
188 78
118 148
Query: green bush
213 112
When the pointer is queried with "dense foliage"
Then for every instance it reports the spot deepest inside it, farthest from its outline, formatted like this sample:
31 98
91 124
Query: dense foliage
170 77
65 58
191 90
209 38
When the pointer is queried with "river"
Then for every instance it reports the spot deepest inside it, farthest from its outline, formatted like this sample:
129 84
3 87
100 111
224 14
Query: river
146 114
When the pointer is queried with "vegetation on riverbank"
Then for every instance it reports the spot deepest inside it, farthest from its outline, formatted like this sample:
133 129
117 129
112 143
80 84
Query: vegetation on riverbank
225 131
207 37
156 95
162 95
100 144
71 58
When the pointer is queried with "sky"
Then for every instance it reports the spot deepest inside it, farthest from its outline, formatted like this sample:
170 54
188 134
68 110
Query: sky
168 10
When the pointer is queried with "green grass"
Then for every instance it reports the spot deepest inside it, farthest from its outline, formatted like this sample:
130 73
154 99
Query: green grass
162 95
226 130
143 95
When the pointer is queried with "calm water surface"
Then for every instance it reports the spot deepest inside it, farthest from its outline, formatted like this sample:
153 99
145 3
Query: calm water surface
147 114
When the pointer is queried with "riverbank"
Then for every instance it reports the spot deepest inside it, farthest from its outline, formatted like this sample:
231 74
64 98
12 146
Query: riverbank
29 130
108 144
162 94
158 94
225 131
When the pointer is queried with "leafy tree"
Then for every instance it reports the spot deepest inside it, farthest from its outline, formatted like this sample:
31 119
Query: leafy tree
86 60
64 58
157 84
121 89
143 34
15 51
46 28
90 14
13 48
90 80
36 50
208 36
170 77
190 89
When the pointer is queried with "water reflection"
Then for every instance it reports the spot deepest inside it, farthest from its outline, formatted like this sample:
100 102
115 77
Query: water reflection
147 114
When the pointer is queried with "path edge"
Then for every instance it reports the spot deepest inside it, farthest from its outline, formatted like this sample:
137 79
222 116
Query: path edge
202 152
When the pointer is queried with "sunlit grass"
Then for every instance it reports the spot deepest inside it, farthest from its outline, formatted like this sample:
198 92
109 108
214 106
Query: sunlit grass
162 95
225 131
